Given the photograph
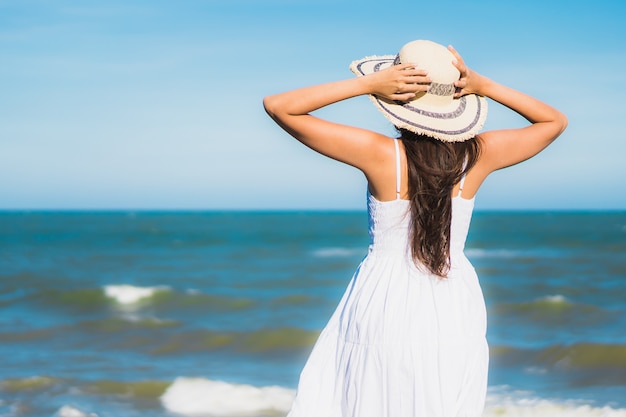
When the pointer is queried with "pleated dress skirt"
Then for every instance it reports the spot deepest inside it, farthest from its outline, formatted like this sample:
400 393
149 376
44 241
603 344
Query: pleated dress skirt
402 342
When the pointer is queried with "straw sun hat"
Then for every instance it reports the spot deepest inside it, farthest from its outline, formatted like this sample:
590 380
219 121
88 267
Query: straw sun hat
435 113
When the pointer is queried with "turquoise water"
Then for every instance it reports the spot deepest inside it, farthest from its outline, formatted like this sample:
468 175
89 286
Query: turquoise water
123 314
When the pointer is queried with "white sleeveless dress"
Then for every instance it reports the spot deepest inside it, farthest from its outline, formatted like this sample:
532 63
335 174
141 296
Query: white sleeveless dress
402 342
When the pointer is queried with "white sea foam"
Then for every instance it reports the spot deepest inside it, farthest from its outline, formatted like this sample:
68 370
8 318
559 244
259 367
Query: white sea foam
502 402
558 298
509 253
69 411
130 294
337 252
492 253
200 396
204 397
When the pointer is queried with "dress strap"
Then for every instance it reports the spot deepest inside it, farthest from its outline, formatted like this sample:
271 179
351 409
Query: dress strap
398 177
462 178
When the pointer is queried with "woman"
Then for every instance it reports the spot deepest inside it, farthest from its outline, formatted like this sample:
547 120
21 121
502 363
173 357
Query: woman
408 337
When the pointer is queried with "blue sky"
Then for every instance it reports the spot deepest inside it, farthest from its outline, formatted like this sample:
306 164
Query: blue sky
157 104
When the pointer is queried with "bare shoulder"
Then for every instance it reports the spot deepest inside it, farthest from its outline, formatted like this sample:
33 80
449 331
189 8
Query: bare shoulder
381 174
381 151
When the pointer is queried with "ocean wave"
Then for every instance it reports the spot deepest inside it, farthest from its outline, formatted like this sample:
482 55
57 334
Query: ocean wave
491 253
71 411
606 361
28 384
207 397
552 308
475 253
554 299
121 325
263 341
548 302
164 337
95 299
151 389
82 299
523 405
130 298
130 294
200 396
164 298
338 252
108 327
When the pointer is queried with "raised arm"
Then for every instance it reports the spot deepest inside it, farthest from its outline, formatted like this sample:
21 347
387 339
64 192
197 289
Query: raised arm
503 148
354 146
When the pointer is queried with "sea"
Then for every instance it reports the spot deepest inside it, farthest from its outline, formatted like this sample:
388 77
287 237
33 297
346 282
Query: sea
139 313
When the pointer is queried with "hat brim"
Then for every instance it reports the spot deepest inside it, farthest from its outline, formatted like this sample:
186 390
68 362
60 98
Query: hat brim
459 120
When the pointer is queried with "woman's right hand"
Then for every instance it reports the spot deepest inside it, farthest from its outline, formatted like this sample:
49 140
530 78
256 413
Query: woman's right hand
398 83
506 147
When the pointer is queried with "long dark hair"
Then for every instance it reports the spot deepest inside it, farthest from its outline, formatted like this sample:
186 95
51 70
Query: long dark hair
434 167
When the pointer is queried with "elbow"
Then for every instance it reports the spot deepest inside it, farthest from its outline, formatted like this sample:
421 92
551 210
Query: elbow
273 108
558 124
267 105
562 121
270 106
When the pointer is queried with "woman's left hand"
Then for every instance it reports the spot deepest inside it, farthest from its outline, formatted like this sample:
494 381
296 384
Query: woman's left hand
469 82
398 82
